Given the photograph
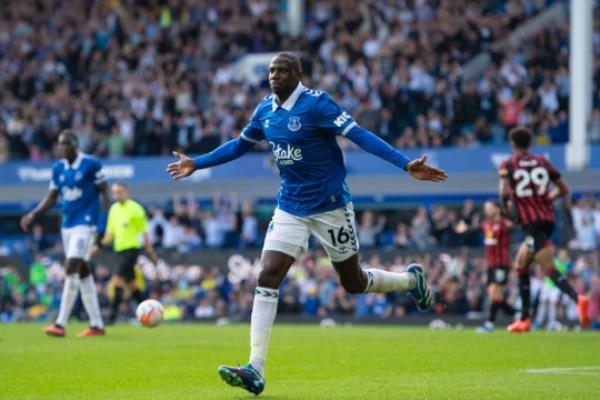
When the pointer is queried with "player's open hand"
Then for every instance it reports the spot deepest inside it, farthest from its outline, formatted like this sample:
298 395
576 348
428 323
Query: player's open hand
420 170
182 168
26 221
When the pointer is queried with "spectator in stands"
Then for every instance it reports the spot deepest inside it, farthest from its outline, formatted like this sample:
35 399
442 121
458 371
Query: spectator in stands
368 229
156 226
113 67
402 236
249 235
116 144
512 107
214 229
174 234
191 240
584 223
421 228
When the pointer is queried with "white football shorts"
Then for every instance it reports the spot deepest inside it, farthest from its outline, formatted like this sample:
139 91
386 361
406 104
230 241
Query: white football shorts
78 241
335 230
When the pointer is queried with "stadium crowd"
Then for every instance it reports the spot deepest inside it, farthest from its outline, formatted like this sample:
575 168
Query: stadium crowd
143 78
444 238
186 225
135 78
196 292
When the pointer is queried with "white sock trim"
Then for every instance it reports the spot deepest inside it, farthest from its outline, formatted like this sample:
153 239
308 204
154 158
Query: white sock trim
266 294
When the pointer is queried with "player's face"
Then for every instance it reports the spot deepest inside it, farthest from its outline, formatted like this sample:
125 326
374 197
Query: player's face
67 148
119 193
283 77
490 210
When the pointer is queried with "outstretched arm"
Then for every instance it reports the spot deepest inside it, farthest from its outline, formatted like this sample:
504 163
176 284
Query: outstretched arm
226 152
417 168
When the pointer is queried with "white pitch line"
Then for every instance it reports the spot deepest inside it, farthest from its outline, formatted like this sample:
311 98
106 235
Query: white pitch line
566 370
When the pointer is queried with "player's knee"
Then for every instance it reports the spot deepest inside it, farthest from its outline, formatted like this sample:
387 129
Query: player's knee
73 266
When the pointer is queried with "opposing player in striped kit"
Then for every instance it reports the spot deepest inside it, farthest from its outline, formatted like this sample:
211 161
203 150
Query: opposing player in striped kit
526 179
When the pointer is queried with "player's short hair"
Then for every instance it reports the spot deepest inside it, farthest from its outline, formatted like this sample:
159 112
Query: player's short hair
70 135
521 137
292 58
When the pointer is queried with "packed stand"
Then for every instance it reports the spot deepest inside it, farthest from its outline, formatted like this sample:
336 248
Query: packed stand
137 78
311 289
187 226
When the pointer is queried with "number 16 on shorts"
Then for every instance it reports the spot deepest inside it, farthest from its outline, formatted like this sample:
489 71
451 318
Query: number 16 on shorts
340 240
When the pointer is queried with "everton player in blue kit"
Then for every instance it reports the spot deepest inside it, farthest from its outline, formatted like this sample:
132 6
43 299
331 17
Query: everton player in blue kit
301 126
79 182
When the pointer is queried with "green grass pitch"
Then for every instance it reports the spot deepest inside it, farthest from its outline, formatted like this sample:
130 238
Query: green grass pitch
305 362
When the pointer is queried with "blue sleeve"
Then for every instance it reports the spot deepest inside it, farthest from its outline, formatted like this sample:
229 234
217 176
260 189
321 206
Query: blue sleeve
330 117
226 152
53 179
98 172
368 141
102 219
253 132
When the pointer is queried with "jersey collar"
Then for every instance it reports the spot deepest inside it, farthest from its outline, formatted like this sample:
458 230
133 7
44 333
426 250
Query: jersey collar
289 103
76 163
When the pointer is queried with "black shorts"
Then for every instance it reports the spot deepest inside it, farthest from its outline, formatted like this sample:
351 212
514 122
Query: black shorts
537 235
498 275
127 259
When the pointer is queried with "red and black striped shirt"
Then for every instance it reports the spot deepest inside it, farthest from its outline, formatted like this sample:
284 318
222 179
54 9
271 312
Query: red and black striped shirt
496 238
529 177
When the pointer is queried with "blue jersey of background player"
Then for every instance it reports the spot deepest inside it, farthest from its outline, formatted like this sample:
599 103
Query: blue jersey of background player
78 186
301 126
77 179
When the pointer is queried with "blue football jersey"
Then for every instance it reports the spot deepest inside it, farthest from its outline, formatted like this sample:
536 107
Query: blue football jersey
76 185
302 134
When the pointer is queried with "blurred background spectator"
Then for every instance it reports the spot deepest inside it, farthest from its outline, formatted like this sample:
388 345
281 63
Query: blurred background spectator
454 262
143 78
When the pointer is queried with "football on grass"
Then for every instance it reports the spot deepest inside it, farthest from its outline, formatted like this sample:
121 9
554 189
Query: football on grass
149 313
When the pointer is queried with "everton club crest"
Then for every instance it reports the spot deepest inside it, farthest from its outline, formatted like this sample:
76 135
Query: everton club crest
294 124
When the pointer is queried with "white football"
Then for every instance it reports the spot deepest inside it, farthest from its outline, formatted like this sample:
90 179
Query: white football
149 313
